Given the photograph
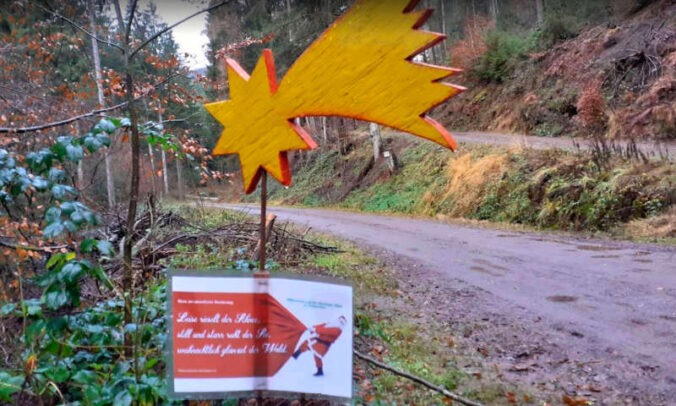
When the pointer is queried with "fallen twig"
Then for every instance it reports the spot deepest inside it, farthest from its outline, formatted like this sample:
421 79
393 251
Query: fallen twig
418 379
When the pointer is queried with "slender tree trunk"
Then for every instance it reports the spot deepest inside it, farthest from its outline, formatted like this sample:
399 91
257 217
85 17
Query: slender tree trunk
110 181
540 9
80 167
494 9
151 155
376 140
432 52
128 275
165 175
324 132
327 11
80 176
165 172
444 44
288 16
179 179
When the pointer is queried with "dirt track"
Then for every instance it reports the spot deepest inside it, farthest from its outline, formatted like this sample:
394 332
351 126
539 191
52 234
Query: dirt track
609 306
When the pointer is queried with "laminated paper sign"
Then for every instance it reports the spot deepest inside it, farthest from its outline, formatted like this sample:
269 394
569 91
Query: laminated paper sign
240 334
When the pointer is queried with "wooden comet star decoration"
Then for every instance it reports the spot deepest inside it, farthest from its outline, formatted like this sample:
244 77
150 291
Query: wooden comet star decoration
361 67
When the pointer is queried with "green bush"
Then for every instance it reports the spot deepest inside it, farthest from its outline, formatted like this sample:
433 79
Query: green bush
503 51
556 28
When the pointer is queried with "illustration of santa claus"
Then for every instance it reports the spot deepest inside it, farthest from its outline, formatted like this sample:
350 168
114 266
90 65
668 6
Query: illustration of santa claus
318 339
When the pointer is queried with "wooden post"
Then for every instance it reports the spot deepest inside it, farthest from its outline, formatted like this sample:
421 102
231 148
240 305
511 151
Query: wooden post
264 202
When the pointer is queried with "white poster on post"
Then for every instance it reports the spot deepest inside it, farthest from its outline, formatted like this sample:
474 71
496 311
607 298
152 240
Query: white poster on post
234 334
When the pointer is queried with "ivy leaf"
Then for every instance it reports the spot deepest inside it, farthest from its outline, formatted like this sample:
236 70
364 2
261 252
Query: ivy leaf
58 374
98 273
105 247
107 126
53 215
125 122
40 183
53 230
32 307
55 299
74 152
84 377
70 226
92 143
71 272
77 218
9 385
60 191
87 245
103 139
123 398
7 308
56 175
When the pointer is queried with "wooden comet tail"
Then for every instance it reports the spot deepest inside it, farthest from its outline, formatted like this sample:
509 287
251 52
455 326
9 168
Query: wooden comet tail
361 67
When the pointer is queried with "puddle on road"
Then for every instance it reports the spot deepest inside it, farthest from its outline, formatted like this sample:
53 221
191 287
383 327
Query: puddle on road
645 261
562 299
490 265
483 270
667 317
605 256
641 253
596 248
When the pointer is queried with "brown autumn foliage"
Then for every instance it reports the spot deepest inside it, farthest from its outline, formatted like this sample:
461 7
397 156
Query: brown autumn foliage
591 107
465 52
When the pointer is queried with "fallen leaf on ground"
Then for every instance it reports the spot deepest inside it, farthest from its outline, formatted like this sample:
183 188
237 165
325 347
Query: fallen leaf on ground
574 401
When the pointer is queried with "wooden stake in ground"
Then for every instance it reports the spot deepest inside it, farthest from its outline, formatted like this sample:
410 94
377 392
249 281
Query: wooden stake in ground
264 203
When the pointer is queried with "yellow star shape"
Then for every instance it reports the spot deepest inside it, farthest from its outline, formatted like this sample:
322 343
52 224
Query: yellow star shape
249 127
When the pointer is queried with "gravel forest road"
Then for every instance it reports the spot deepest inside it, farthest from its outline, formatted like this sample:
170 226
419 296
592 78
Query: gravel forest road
602 300
653 150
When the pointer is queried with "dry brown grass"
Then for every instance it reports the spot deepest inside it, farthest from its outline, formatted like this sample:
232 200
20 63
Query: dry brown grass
470 179
662 226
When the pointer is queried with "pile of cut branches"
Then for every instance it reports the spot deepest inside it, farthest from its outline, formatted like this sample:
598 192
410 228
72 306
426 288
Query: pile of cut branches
160 234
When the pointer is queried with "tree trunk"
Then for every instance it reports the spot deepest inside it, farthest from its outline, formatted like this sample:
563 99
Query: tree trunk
151 155
80 167
110 181
128 275
165 175
324 133
327 11
376 140
165 172
179 179
540 9
288 15
444 44
494 9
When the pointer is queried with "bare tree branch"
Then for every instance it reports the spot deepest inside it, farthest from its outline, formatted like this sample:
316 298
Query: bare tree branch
171 27
419 380
74 24
92 113
132 10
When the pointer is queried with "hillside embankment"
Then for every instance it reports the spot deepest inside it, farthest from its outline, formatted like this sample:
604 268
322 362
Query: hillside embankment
545 189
